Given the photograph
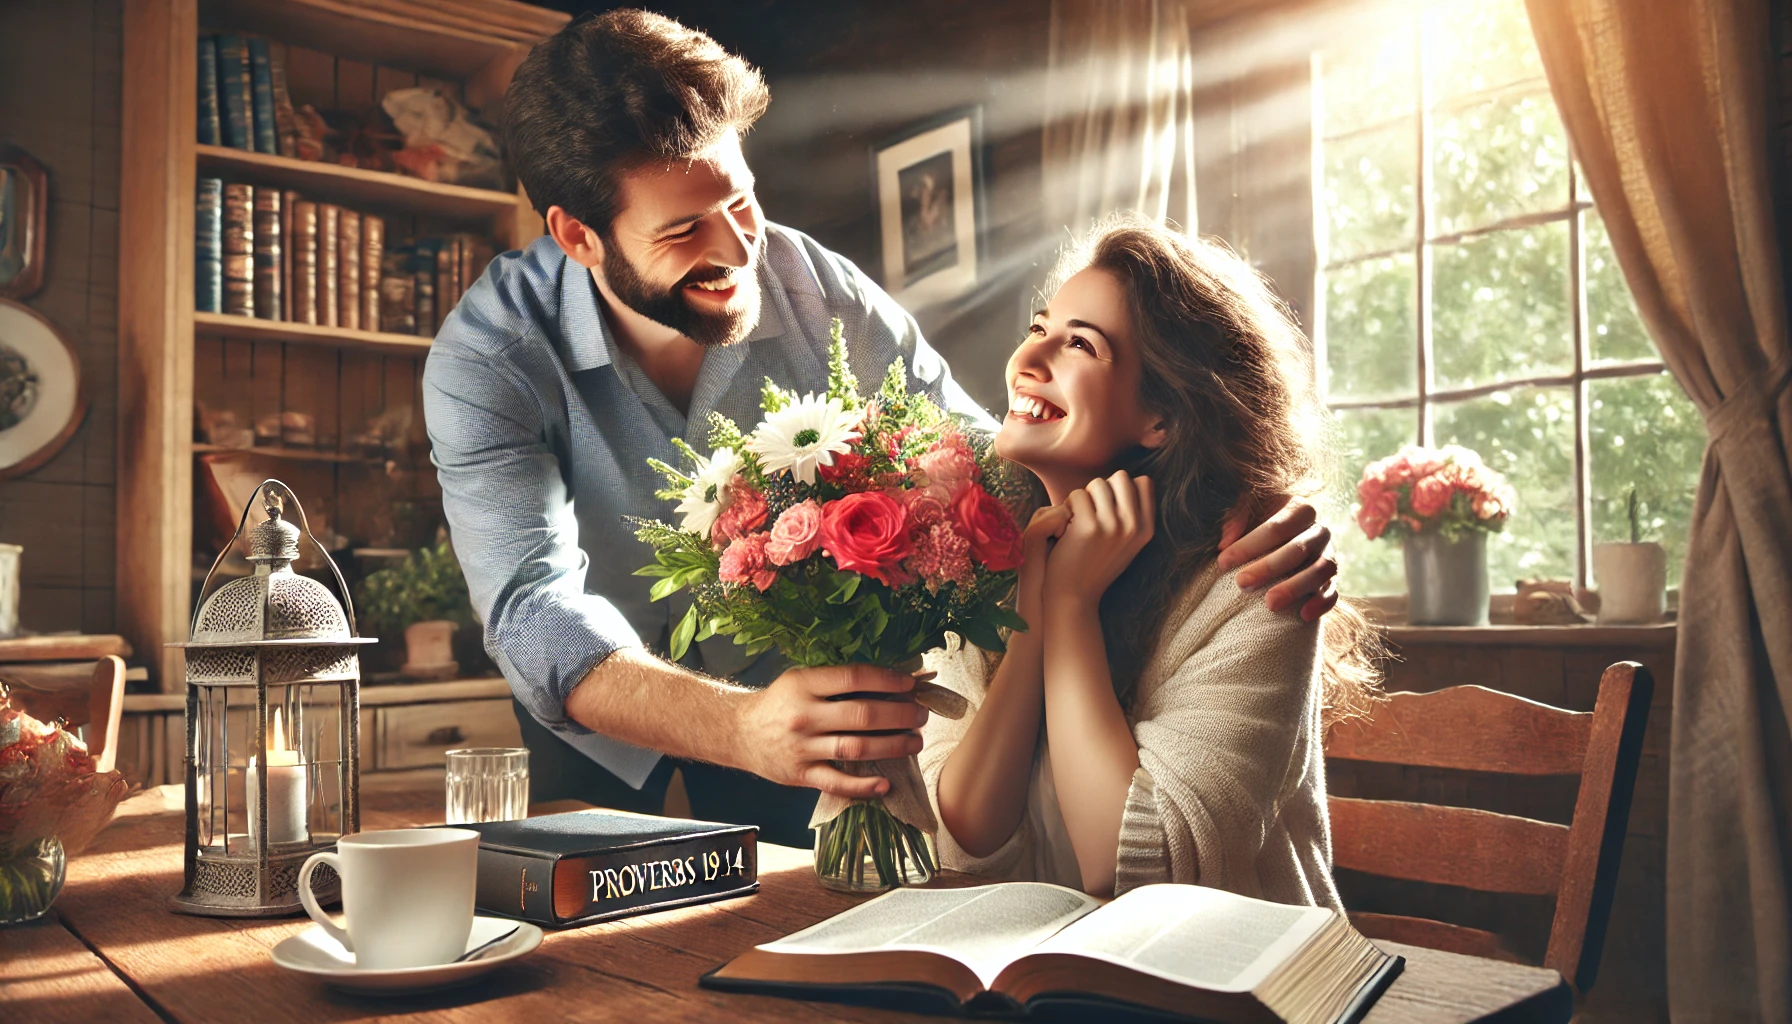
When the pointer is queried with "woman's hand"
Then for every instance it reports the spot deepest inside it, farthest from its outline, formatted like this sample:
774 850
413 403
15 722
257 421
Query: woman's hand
1111 520
1291 547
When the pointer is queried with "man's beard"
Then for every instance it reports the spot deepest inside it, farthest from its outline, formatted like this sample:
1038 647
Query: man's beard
670 307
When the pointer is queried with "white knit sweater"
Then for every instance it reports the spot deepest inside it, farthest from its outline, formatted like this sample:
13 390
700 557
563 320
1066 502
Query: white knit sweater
1230 790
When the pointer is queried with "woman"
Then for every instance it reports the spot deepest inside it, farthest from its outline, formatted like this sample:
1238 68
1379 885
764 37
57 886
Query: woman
1157 724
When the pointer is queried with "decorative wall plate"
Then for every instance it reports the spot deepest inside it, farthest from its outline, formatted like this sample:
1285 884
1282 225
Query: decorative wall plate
40 390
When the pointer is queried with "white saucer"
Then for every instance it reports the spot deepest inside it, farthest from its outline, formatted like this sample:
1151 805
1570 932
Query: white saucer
316 953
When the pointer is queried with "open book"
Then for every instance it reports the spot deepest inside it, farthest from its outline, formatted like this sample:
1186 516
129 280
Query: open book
1055 953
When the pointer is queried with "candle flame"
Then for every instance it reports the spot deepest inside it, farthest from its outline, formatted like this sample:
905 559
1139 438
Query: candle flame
279 733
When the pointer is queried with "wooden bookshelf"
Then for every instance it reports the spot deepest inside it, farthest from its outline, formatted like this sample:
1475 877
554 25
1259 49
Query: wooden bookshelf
249 328
352 186
339 55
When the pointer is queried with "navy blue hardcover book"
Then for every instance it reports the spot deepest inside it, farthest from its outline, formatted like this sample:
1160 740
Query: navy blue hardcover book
261 88
586 866
208 91
208 247
234 92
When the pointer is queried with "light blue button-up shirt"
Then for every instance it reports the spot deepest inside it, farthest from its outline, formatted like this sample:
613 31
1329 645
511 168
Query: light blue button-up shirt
540 429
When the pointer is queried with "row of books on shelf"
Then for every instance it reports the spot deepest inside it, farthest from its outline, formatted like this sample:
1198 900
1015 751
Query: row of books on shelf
272 254
243 100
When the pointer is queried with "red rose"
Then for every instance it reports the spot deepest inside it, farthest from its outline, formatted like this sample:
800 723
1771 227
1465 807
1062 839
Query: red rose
990 527
867 533
848 468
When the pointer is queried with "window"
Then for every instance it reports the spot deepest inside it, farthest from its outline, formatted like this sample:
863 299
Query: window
1468 294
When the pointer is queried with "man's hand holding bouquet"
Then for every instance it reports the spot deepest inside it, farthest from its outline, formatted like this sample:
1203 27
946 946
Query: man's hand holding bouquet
843 530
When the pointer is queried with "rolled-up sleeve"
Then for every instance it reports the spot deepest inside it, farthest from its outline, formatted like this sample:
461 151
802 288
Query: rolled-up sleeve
515 531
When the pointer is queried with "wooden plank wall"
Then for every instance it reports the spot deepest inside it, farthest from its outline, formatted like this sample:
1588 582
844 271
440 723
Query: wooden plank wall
60 68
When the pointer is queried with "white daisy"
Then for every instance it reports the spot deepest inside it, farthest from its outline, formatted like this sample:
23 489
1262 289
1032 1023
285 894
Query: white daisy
805 434
709 494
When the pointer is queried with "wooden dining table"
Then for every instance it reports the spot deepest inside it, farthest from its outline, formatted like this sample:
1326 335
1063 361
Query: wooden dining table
111 950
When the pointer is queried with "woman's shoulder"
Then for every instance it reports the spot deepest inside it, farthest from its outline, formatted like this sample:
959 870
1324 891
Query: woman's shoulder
1214 609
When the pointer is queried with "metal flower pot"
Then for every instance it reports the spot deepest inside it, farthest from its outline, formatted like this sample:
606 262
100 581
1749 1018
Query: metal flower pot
1446 580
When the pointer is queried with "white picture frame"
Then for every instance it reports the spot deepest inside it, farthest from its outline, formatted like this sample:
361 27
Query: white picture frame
929 209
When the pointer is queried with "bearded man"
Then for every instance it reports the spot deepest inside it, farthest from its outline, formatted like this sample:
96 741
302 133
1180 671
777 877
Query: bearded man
659 295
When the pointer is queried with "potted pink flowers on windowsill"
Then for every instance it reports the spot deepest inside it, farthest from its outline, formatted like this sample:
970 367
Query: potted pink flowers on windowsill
1441 504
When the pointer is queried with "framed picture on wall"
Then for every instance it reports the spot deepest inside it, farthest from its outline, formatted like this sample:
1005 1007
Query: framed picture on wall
930 207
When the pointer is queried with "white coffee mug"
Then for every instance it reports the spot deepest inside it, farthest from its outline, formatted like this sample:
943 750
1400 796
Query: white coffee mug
407 895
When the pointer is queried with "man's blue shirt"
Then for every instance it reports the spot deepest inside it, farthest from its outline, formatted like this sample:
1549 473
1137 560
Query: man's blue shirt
540 429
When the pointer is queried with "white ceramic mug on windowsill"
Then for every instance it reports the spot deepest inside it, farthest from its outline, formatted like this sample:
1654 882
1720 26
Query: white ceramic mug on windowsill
407 895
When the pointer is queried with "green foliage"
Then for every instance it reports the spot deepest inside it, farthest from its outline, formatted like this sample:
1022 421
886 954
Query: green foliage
773 398
426 586
841 382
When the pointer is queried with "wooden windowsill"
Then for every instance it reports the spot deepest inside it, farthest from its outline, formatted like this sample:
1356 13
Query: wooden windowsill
1652 636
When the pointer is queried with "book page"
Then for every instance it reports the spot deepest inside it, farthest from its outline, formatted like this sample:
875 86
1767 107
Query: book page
982 927
1193 935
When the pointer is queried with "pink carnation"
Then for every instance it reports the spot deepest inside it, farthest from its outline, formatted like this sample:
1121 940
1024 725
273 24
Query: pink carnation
926 505
744 562
941 557
795 535
744 514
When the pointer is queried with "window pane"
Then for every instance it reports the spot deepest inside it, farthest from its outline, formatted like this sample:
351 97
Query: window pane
1369 190
1366 567
1497 159
1499 307
1472 45
1371 338
1527 434
1371 80
1615 329
1644 432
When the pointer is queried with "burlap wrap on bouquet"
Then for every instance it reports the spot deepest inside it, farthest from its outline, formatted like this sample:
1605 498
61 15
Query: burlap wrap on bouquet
907 799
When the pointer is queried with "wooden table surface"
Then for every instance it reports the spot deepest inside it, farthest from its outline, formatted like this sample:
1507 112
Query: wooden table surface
111 950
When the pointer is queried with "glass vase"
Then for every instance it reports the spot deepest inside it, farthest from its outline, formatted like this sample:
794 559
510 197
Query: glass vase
30 878
867 849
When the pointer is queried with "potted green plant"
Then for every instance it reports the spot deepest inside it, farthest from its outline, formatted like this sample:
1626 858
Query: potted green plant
426 597
1632 578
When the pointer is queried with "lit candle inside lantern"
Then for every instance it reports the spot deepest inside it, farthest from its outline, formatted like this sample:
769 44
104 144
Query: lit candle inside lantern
286 790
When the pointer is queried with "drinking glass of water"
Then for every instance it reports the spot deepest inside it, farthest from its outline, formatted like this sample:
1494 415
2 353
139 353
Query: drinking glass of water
487 784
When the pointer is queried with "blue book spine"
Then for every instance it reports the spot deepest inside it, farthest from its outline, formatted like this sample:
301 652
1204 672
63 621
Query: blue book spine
208 247
261 78
208 92
234 90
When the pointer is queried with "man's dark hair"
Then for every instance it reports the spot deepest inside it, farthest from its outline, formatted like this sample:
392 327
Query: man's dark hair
606 95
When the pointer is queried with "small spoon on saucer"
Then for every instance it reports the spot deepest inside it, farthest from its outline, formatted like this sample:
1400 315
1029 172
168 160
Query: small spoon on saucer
485 947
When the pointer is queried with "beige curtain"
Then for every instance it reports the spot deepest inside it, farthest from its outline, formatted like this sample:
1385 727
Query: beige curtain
1119 130
1666 103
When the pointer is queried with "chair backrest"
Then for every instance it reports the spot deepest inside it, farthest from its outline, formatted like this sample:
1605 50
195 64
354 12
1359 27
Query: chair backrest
1473 728
94 699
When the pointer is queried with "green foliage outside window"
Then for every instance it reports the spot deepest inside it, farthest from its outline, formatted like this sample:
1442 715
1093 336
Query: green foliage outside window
1502 305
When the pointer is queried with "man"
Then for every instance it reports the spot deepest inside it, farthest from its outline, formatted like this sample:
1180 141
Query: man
659 295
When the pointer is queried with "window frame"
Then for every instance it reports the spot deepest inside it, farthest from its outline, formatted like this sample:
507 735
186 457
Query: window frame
1583 369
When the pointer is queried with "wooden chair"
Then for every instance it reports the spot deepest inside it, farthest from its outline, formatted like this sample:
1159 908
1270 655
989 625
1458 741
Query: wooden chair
1476 729
95 701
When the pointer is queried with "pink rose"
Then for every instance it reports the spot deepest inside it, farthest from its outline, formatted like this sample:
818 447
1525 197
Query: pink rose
926 506
796 534
949 464
744 514
867 533
744 562
1431 495
990 527
1376 513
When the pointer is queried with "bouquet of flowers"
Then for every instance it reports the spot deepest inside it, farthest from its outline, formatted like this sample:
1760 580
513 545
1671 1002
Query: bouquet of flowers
846 530
52 804
1418 490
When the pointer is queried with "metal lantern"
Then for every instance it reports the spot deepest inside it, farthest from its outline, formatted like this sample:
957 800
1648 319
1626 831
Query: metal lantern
273 694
